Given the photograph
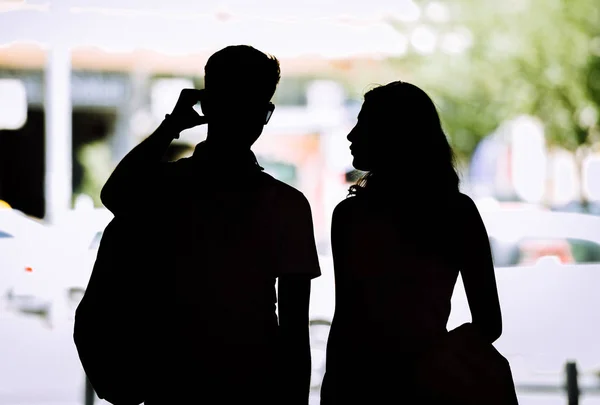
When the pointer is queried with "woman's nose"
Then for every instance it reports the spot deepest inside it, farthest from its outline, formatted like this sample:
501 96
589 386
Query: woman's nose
351 135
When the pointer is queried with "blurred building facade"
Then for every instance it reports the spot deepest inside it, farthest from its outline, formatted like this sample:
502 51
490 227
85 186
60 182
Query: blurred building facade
91 93
113 103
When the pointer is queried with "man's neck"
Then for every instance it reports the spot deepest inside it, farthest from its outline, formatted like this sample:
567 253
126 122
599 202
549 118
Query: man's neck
224 156
220 147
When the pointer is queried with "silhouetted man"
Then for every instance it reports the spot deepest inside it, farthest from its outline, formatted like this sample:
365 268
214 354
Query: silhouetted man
227 231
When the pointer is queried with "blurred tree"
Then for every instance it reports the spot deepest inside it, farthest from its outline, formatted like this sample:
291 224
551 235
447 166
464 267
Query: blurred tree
96 160
538 57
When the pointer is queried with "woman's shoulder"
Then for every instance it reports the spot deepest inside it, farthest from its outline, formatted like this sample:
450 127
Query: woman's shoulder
464 202
347 207
465 207
467 213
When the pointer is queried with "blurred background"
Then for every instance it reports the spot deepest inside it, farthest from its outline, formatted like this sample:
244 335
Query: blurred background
517 84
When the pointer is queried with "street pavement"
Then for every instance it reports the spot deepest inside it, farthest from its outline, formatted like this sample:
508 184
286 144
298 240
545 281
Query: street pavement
39 366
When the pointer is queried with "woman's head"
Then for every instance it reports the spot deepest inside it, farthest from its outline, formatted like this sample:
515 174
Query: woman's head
399 134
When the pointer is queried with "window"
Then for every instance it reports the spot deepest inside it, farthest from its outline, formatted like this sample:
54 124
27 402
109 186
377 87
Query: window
96 241
584 251
528 251
5 235
505 254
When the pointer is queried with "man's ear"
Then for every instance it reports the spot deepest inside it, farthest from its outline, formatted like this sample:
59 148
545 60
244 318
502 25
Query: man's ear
270 109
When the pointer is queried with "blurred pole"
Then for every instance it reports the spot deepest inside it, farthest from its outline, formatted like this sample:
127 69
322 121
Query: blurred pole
572 384
90 395
58 122
126 136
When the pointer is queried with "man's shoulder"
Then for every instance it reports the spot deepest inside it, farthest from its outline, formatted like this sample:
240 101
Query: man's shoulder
286 195
282 189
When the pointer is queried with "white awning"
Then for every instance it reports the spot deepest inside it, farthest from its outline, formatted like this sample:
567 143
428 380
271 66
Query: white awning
285 28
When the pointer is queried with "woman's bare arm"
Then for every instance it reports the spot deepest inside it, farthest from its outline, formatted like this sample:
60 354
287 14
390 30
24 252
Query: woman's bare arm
335 340
478 272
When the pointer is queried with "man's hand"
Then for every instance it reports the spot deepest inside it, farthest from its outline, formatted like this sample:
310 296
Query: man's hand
184 116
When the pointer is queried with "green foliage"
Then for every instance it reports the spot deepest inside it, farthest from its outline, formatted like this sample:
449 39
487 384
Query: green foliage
96 160
537 57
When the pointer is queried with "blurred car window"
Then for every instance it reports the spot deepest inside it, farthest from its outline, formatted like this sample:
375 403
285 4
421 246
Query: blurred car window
96 241
527 251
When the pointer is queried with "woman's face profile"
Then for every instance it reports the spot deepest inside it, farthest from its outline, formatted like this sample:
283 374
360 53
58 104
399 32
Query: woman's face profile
361 139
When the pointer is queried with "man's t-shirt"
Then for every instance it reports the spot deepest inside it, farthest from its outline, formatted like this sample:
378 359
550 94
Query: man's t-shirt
223 231
216 232
232 244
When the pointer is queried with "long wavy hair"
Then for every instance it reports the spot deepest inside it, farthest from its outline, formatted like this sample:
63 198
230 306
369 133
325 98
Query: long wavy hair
413 151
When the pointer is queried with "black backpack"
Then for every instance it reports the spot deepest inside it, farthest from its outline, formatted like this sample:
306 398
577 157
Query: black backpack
112 320
126 356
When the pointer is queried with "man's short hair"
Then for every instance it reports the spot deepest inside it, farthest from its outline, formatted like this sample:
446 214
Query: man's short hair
243 71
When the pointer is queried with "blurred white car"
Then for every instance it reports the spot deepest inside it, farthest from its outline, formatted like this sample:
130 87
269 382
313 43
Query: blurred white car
45 269
519 247
82 231
29 263
550 299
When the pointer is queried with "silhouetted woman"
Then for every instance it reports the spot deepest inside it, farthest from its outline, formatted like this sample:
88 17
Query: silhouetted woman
399 242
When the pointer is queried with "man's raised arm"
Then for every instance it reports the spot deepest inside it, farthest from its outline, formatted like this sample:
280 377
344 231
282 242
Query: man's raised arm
141 171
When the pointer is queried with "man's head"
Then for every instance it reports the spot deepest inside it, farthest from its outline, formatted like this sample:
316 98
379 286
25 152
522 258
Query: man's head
240 82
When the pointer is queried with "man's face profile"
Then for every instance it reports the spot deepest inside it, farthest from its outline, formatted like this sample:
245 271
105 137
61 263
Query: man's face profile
239 82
